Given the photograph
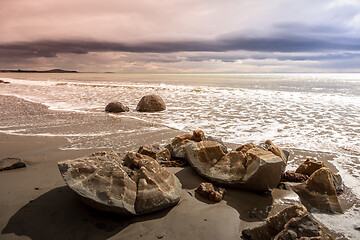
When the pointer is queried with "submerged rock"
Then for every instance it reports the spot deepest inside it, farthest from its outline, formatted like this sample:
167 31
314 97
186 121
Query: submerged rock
11 163
136 184
250 168
116 107
319 191
151 103
292 223
208 191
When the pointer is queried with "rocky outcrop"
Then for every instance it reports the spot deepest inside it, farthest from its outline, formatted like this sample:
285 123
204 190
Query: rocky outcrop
116 107
309 167
293 222
250 168
208 191
11 163
151 103
136 184
319 191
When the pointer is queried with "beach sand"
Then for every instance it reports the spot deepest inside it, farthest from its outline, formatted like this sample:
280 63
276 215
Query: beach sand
36 204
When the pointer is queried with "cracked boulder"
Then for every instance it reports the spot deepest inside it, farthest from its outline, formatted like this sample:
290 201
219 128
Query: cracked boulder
250 168
134 185
320 191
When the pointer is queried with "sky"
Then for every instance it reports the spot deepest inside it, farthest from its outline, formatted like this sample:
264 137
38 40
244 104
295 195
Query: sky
181 36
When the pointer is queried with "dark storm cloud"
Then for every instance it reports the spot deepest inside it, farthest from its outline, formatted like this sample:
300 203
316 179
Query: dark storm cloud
282 44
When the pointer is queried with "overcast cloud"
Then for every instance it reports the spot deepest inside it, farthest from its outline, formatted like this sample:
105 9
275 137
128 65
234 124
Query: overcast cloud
181 35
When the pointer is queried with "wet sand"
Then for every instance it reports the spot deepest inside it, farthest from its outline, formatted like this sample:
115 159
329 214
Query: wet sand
36 204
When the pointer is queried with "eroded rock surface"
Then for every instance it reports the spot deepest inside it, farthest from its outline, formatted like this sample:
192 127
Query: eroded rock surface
136 184
151 103
309 167
156 151
292 223
249 168
116 107
270 146
208 191
319 191
11 163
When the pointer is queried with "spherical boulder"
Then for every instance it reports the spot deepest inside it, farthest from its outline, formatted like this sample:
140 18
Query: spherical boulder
151 103
116 107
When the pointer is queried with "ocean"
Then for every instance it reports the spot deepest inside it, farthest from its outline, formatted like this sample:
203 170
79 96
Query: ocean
316 112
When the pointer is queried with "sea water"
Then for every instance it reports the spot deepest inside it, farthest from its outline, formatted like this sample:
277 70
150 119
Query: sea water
318 112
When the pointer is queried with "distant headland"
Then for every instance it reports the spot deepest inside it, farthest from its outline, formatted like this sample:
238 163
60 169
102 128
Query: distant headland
35 71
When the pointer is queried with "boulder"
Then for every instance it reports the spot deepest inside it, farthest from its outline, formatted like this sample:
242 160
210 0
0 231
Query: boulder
136 184
293 222
11 163
319 191
309 167
208 191
151 103
251 168
116 107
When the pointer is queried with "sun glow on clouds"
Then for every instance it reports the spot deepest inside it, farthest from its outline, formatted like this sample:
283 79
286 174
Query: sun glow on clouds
181 36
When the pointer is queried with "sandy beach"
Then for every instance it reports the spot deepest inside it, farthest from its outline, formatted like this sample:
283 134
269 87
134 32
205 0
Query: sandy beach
36 204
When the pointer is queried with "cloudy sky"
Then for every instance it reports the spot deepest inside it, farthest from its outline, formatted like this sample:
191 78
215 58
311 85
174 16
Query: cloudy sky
226 36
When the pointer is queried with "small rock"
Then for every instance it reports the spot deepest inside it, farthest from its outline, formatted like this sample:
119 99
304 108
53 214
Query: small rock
151 103
116 107
208 191
11 163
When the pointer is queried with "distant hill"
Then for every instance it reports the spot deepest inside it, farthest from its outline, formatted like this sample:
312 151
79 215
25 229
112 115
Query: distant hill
35 71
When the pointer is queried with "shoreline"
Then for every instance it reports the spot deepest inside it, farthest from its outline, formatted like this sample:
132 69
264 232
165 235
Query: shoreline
54 212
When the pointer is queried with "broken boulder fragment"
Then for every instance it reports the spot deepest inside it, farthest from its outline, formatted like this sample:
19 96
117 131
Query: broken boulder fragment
208 191
309 167
319 191
251 168
136 184
156 151
293 222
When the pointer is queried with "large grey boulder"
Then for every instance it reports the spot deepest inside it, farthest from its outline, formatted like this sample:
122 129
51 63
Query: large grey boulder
151 103
251 168
136 184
